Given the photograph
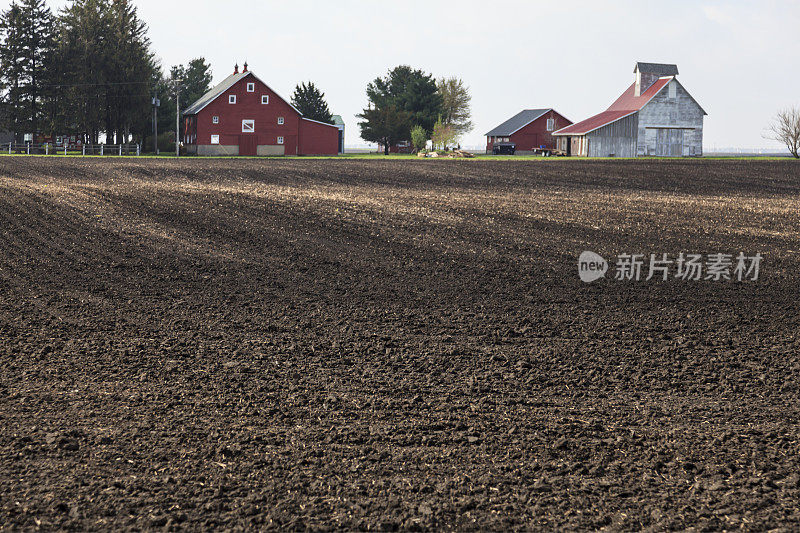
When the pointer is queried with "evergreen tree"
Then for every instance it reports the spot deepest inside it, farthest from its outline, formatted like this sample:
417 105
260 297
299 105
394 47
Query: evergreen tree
128 95
385 125
196 81
106 70
38 42
27 43
408 95
311 103
81 60
11 71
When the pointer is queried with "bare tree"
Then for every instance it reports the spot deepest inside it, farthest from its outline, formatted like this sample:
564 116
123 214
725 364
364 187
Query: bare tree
786 129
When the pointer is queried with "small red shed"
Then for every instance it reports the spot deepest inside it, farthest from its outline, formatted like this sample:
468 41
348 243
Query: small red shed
243 116
528 129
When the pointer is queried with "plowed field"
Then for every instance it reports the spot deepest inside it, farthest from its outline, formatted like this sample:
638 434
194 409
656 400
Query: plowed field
394 345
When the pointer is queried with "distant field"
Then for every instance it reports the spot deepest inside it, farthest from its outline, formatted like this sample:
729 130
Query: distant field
369 344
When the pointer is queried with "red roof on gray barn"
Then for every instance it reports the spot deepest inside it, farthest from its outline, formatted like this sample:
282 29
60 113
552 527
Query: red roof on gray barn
634 103
625 105
593 123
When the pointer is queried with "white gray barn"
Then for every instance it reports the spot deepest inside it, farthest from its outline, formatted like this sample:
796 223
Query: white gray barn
655 116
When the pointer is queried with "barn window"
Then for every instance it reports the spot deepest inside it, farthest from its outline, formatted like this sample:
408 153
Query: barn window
673 91
280 140
280 121
251 87
264 99
215 139
215 119
551 124
248 126
232 99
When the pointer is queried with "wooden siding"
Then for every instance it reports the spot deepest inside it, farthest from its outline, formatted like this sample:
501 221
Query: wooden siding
671 127
617 139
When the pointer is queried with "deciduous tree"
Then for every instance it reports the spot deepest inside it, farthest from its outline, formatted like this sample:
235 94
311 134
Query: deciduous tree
419 137
456 99
443 134
785 128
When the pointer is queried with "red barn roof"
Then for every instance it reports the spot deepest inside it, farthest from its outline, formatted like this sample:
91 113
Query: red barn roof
593 123
626 104
630 102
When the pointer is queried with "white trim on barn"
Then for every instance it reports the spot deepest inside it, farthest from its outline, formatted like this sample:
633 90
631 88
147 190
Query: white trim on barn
318 122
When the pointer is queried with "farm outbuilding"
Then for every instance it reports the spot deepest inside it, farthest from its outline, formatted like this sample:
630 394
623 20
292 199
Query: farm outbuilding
528 129
655 116
244 116
339 123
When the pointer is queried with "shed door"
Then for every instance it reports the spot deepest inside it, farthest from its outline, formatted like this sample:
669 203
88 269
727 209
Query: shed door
248 145
676 143
650 140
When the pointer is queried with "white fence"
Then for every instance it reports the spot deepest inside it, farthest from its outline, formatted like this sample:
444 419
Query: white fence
76 149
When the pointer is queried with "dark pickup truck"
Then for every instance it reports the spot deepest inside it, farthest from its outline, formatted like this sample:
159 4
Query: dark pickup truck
504 149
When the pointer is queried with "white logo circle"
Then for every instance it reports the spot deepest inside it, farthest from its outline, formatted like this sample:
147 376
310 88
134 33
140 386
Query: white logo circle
591 267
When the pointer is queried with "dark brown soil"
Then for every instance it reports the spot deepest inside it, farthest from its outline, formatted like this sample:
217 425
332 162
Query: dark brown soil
372 345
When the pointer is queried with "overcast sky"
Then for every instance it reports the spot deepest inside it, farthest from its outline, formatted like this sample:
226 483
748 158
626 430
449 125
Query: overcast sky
739 59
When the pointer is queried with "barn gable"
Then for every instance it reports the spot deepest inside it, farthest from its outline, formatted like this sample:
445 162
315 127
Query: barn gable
223 86
671 124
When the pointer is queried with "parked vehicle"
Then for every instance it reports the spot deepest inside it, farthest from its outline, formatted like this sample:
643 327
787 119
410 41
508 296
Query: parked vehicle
504 149
547 152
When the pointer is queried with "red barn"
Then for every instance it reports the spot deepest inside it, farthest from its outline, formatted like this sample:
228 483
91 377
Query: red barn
528 129
243 116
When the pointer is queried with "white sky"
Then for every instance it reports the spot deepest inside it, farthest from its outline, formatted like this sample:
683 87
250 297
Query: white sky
739 59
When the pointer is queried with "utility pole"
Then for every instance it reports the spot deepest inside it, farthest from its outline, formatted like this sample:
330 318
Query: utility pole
156 105
177 117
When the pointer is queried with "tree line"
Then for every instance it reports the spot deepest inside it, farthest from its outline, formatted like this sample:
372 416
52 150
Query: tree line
89 70
81 72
